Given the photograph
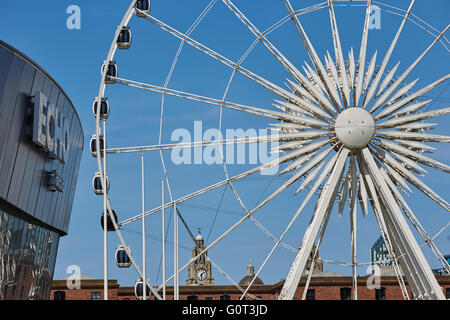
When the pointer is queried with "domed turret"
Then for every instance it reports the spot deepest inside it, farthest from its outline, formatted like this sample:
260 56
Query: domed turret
245 281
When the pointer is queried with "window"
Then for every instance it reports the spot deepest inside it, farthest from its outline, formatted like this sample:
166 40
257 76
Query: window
192 297
95 296
225 297
380 294
59 295
346 293
447 293
311 294
208 298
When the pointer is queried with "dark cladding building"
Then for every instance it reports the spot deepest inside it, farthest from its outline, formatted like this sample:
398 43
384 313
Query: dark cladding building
41 141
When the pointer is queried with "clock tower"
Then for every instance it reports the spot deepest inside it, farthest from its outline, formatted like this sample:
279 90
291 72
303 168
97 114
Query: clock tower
200 269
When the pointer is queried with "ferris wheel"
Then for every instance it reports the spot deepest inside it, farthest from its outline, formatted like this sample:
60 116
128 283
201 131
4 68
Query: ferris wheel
351 132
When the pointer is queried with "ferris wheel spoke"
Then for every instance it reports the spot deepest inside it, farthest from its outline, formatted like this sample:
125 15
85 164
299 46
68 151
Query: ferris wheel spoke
400 182
407 119
325 203
339 56
311 94
401 92
237 224
413 136
353 210
400 79
296 136
230 279
415 222
312 123
376 205
369 72
362 57
414 156
252 76
423 284
412 108
293 71
256 222
382 68
331 90
351 68
389 160
262 167
410 98
318 182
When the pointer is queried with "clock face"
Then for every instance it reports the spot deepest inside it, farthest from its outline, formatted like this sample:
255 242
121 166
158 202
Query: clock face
200 274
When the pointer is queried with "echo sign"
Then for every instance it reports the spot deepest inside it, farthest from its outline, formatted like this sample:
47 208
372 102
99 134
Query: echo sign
50 128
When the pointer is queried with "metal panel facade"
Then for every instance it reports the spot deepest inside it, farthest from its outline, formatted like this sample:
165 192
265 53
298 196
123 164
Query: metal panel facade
24 166
34 209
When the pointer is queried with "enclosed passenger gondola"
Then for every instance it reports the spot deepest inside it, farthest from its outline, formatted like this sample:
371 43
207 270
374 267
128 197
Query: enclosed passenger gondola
111 72
104 108
139 290
122 258
124 38
109 221
93 145
143 8
97 183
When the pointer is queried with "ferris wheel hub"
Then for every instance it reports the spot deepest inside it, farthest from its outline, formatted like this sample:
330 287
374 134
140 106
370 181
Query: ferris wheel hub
355 128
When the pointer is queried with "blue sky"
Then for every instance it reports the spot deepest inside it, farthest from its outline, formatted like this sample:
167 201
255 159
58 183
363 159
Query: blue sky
74 58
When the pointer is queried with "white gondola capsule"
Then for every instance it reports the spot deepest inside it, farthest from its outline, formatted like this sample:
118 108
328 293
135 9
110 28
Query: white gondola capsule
93 145
143 6
109 221
111 72
124 38
97 183
139 290
104 108
122 258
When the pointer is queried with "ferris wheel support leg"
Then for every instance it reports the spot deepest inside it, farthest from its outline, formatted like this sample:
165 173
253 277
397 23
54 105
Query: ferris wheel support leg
420 278
326 200
176 294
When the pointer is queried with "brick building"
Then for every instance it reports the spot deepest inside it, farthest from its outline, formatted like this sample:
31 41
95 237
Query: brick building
323 286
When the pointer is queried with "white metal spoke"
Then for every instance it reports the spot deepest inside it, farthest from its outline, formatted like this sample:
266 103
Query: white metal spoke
413 136
394 122
390 109
313 123
397 82
394 164
412 108
362 57
401 92
314 58
230 279
415 156
375 201
380 71
319 181
369 72
414 259
252 76
353 206
297 136
325 203
294 72
339 56
415 222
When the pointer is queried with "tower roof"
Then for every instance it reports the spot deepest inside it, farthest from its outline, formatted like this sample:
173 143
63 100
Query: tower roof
245 281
